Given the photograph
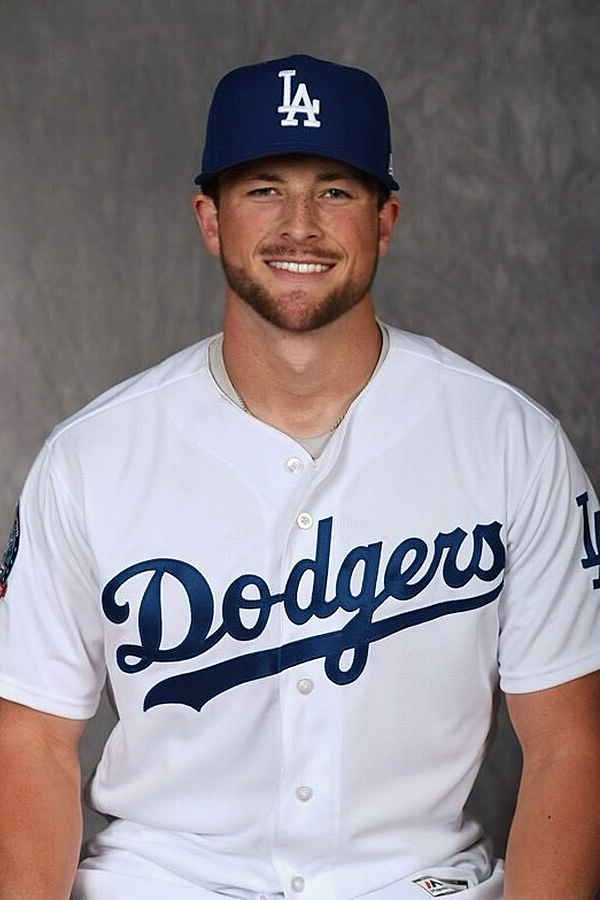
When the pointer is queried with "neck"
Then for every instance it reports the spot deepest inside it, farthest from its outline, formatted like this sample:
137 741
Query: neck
299 383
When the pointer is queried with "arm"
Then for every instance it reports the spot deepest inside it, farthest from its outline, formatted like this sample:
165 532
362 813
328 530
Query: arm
40 810
554 842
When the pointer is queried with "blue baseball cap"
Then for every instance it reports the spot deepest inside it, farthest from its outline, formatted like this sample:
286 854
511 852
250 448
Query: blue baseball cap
299 104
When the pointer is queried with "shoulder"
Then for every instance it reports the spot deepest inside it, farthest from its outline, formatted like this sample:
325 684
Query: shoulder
132 400
462 385
474 427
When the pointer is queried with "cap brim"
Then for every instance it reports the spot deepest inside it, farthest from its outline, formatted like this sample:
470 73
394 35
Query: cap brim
387 181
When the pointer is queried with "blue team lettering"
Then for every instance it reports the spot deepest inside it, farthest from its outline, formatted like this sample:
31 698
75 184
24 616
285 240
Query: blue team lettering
407 573
592 554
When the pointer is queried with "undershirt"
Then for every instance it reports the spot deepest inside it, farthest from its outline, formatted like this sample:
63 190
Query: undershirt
315 444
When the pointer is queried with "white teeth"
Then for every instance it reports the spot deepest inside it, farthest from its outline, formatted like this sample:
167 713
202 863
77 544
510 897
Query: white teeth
302 268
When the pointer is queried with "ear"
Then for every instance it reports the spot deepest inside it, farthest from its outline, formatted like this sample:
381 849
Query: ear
388 216
207 218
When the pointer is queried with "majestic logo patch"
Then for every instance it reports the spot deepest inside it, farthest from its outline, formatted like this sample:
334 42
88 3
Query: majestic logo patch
441 887
302 104
410 568
592 557
10 553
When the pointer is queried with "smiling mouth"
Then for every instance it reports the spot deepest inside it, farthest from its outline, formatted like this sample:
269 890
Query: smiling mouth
303 268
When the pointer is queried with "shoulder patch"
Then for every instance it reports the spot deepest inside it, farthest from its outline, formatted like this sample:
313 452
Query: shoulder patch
10 553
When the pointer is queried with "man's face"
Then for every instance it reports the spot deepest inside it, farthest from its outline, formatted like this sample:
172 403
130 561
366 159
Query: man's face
299 238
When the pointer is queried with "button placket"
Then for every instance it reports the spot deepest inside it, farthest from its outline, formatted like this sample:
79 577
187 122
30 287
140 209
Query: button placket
304 811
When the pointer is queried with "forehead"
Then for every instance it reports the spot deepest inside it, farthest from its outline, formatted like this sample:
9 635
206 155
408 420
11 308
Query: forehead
295 167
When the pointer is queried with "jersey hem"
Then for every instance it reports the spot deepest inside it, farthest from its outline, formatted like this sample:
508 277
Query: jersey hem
551 677
12 690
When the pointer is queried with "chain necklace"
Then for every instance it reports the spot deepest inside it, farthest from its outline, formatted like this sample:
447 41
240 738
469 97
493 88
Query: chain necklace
244 406
335 425
339 421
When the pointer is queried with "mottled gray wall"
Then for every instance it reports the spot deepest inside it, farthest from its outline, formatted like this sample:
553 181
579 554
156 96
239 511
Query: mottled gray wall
495 118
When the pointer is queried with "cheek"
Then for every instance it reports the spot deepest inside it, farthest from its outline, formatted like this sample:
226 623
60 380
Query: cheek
363 244
357 235
234 239
241 236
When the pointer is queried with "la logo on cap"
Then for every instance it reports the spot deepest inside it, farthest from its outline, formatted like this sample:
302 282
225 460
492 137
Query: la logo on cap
301 104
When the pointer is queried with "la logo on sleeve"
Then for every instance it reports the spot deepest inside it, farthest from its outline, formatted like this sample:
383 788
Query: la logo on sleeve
592 553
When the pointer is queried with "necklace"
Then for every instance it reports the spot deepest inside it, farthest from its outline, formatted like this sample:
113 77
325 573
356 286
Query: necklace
335 425
339 421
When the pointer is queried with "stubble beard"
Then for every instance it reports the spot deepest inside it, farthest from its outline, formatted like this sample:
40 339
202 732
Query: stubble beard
295 311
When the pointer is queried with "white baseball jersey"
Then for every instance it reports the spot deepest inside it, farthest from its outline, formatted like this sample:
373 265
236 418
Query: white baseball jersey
303 654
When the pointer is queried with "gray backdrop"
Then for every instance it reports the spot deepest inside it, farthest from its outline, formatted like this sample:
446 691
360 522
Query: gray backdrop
495 125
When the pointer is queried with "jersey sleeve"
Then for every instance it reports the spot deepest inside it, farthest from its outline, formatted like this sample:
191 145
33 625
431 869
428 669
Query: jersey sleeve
51 646
550 607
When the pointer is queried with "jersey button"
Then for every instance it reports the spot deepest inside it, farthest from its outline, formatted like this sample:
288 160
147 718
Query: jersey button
304 793
305 685
294 464
304 520
297 883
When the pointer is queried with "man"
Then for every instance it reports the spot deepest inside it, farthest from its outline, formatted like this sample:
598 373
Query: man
305 552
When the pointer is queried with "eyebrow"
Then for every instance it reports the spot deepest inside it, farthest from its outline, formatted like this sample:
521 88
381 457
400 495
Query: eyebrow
262 176
272 177
336 176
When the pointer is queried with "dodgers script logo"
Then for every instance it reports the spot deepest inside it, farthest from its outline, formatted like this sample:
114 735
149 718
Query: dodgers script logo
300 105
410 568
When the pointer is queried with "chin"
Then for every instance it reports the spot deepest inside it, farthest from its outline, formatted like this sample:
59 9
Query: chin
295 312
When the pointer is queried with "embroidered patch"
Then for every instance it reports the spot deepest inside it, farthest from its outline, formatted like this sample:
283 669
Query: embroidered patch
441 887
10 553
302 103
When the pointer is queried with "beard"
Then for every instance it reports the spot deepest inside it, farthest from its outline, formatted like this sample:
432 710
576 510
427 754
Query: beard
296 310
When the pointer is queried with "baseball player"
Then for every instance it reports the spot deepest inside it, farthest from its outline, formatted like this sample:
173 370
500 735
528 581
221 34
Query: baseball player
306 554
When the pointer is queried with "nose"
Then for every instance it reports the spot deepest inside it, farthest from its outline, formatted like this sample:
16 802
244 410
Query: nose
300 220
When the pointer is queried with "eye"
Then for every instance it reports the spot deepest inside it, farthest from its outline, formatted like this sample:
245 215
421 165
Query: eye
337 194
262 192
